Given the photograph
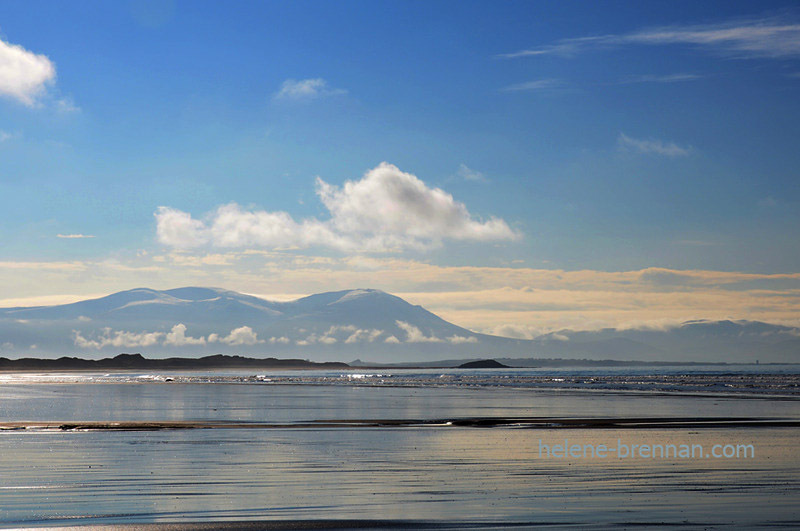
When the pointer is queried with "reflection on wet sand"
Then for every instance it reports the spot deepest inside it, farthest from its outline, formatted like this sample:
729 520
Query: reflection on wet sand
111 454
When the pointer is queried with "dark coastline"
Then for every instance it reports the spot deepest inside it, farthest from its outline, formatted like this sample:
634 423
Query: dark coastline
222 361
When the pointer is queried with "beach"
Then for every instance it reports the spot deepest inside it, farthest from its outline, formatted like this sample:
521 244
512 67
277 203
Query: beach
132 449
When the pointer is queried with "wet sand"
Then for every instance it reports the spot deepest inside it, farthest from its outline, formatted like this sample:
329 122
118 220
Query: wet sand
252 456
549 423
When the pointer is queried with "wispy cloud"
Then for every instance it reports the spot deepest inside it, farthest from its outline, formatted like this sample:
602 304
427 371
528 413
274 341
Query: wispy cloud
66 106
651 146
747 38
74 236
386 210
306 89
535 85
24 75
669 78
4 135
468 174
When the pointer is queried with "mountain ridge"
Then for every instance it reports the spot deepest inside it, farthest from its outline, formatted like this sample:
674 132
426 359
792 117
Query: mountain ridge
362 323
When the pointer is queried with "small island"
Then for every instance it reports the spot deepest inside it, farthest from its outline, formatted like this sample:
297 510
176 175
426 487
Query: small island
483 364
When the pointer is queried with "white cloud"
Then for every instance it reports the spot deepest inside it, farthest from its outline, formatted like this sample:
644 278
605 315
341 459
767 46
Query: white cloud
360 336
390 208
759 37
387 209
536 85
282 340
177 337
654 147
458 340
244 335
4 135
24 75
178 229
391 339
415 335
117 338
516 331
74 236
306 89
349 333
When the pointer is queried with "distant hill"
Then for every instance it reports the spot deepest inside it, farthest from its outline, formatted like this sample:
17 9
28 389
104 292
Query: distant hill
343 325
139 362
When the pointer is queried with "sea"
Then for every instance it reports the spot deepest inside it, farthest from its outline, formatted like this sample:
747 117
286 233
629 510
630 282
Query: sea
627 447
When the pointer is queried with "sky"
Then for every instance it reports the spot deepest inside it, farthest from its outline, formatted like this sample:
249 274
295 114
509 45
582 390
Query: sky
515 167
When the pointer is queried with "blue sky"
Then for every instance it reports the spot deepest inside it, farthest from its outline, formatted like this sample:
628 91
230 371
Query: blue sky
604 137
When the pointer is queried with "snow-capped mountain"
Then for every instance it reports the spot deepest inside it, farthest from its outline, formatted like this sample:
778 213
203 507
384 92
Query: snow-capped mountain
335 325
344 325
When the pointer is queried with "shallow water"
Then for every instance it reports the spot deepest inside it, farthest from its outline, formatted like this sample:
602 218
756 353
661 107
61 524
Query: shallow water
442 473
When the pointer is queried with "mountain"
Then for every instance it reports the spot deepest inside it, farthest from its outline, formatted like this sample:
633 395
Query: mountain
344 325
199 321
731 341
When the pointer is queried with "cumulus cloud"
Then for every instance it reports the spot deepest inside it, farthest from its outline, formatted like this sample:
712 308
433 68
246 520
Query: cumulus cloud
306 89
24 75
244 335
117 338
177 337
387 209
178 229
747 38
652 147
415 335
282 340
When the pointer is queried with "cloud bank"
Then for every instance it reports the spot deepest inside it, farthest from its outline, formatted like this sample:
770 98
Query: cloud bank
176 337
386 210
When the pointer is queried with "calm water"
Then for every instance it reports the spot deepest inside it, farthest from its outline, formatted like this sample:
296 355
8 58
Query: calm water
496 476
